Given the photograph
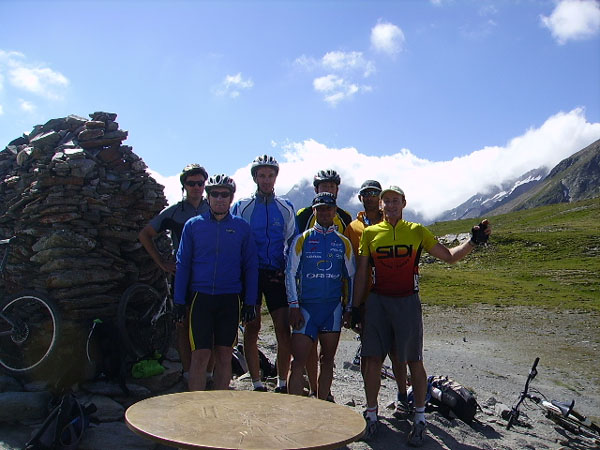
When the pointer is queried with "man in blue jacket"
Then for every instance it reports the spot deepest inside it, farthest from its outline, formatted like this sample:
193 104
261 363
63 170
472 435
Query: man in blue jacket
320 267
273 224
216 255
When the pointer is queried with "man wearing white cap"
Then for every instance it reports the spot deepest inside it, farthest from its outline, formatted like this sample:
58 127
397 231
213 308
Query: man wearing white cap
393 315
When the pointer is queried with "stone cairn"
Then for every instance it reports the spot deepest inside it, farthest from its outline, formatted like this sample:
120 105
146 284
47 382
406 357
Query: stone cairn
76 199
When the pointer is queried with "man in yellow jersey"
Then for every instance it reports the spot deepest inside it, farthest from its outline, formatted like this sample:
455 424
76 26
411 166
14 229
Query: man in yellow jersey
393 313
369 197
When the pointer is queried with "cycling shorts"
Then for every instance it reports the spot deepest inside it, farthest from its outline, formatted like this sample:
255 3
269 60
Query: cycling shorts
214 320
320 318
271 284
393 322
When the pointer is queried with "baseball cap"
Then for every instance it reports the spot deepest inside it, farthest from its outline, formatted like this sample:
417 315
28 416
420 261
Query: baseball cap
392 188
324 199
370 185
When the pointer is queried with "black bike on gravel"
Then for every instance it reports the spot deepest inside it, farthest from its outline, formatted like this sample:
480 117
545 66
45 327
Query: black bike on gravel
560 413
145 320
29 327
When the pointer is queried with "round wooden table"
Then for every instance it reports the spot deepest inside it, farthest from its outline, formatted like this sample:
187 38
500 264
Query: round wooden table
244 420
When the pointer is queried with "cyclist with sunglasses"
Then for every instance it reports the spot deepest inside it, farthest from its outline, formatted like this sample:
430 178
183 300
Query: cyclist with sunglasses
369 197
274 226
172 218
216 259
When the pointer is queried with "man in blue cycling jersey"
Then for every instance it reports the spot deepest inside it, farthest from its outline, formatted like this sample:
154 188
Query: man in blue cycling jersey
320 265
273 224
217 254
192 178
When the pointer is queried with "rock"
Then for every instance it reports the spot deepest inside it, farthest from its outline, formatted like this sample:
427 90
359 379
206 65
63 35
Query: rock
165 380
113 435
112 389
107 410
9 384
20 406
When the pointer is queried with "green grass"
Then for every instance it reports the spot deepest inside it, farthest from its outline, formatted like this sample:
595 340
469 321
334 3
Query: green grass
547 257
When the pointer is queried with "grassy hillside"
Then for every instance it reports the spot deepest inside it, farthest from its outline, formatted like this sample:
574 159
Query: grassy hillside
547 256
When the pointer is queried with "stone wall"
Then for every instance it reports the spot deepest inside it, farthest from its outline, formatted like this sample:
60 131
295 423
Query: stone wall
76 199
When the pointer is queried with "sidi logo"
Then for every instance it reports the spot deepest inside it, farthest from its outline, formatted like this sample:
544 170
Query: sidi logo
394 251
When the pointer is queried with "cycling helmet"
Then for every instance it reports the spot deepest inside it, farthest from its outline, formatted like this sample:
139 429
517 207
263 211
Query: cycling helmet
264 161
326 175
220 180
192 169
324 199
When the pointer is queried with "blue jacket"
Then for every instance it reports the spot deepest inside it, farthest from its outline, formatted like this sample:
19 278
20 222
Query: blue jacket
216 257
273 224
320 267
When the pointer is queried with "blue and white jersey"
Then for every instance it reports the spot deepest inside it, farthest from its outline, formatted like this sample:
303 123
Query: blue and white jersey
320 267
273 223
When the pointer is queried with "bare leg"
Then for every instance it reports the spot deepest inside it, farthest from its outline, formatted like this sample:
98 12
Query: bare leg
183 342
312 366
222 366
372 379
301 345
329 343
418 378
251 346
199 361
281 323
399 369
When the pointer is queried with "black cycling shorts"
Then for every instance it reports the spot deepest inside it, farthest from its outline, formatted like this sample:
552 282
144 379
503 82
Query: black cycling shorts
214 320
271 284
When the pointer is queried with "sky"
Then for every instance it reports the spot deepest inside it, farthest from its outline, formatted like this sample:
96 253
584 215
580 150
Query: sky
444 98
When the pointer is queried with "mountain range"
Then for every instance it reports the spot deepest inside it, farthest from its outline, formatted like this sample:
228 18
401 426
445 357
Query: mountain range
574 178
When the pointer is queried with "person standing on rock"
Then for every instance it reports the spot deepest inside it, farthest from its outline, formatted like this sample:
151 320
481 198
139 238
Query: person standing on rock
273 224
327 180
369 197
319 272
173 218
393 311
216 260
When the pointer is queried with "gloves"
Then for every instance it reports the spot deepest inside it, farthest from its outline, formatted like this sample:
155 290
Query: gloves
179 311
248 313
479 236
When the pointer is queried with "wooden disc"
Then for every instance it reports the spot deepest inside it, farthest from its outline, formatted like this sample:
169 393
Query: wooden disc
244 420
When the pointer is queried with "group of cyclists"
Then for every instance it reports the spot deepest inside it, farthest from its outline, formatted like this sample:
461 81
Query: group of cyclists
317 270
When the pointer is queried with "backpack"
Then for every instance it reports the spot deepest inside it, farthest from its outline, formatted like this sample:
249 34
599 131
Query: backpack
453 397
64 426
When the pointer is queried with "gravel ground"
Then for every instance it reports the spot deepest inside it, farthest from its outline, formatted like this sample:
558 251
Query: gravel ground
489 350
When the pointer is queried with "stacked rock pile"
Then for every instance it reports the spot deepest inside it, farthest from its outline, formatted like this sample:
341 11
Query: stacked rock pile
76 199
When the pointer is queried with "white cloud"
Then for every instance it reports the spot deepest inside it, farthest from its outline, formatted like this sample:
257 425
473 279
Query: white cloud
573 20
348 61
26 105
33 78
336 89
1 110
387 38
232 85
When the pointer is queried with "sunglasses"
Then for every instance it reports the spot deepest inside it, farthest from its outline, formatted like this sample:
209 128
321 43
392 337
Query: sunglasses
370 194
194 183
214 194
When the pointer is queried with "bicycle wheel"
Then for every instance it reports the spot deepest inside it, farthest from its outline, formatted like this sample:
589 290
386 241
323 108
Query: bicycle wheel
144 323
29 331
574 425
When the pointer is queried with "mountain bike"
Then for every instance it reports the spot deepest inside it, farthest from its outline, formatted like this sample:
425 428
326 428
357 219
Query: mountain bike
29 327
145 320
386 371
560 413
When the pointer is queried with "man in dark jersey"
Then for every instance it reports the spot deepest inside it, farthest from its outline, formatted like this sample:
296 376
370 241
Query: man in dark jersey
393 313
173 218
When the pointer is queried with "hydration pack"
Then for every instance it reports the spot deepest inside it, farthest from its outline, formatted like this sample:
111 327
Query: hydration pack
453 397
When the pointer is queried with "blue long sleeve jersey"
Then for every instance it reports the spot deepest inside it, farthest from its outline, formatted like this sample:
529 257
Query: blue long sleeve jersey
320 267
217 257
273 224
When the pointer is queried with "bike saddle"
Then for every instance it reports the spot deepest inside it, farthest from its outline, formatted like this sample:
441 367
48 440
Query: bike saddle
565 408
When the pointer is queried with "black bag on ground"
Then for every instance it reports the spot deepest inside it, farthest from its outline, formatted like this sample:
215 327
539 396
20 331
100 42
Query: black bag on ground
64 426
453 396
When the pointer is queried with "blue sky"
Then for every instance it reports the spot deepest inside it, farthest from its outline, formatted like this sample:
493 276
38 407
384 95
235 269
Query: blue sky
441 97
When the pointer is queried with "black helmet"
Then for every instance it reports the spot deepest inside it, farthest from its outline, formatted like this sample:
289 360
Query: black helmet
370 185
220 180
264 161
326 175
324 198
192 169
